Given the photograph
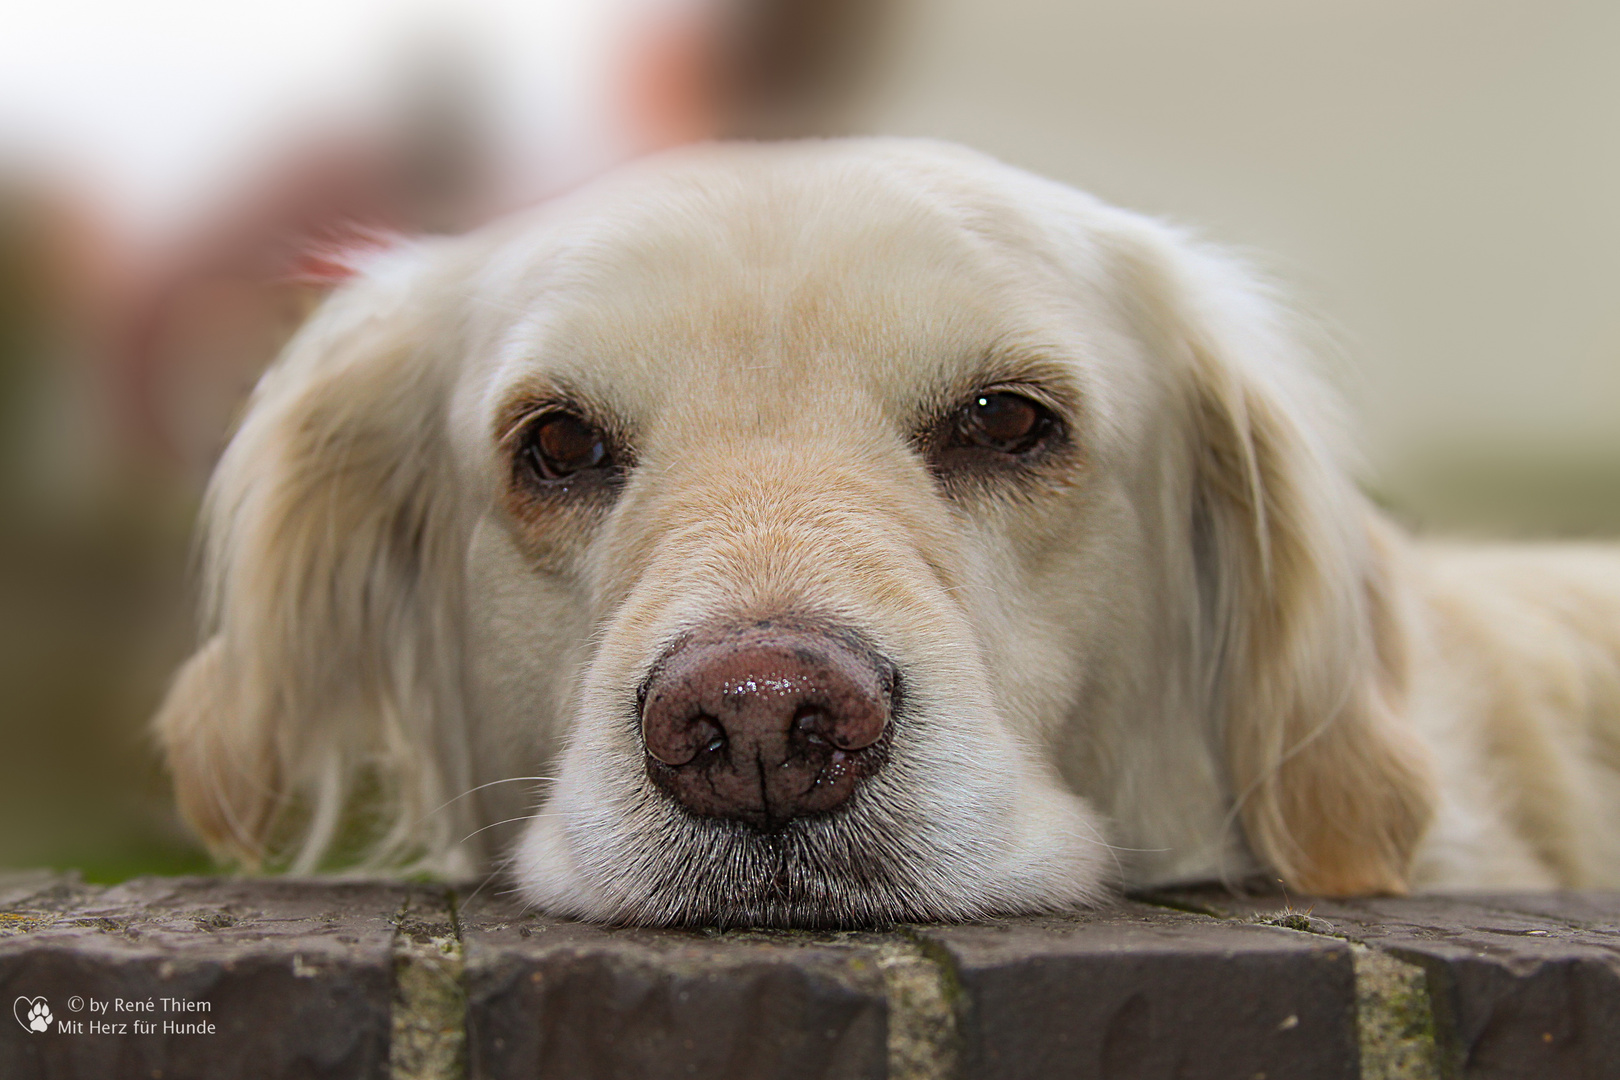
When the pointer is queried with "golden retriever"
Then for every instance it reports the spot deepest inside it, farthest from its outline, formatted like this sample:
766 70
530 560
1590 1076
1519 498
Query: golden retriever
852 531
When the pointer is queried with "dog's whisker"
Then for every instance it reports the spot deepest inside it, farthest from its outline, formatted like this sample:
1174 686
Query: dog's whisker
497 824
481 787
465 903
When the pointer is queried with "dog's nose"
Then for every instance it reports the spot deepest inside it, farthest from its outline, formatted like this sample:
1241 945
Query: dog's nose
766 722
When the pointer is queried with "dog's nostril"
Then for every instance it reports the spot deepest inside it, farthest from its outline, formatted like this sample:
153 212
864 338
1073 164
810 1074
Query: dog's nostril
680 743
797 713
812 723
716 743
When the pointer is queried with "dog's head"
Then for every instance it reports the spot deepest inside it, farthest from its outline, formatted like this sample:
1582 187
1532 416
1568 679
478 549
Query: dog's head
853 531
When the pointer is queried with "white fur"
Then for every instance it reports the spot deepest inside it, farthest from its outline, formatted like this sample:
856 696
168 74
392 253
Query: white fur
1196 653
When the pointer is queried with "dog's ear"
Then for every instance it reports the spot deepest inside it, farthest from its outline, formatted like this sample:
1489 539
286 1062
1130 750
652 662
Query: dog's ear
1302 659
332 569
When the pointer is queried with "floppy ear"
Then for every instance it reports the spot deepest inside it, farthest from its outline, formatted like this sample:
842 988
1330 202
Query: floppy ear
332 557
1302 657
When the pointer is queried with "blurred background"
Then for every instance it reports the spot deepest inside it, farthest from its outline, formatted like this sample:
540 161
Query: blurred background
1438 181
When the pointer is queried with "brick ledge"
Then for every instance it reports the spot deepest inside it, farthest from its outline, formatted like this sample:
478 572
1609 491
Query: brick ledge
366 979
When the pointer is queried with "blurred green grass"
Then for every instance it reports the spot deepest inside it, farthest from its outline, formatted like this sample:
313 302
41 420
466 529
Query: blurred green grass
93 617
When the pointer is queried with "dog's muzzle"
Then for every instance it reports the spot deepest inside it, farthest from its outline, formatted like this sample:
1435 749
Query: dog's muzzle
766 722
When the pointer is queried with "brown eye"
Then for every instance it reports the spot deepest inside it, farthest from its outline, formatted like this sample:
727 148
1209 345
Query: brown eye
992 433
1004 422
560 445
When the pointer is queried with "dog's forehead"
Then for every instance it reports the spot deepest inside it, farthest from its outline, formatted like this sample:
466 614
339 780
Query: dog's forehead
778 281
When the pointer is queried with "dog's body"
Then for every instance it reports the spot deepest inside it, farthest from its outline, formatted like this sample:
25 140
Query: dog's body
1515 686
1027 502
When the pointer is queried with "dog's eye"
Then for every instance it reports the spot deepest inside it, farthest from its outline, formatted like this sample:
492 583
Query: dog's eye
560 445
1006 423
990 433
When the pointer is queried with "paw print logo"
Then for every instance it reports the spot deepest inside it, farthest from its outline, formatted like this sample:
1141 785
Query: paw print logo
33 1013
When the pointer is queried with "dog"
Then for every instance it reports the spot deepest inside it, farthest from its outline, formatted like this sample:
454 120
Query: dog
833 533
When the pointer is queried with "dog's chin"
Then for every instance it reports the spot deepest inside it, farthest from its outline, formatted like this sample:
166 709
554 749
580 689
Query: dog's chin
854 868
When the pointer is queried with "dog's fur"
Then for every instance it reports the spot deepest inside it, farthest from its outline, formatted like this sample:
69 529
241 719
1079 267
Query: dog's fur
1181 646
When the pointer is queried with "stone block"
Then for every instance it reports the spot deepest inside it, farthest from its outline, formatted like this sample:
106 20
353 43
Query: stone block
293 978
551 999
1143 992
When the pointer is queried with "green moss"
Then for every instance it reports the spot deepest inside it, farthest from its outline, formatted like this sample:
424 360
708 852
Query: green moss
428 1036
924 1003
1394 1018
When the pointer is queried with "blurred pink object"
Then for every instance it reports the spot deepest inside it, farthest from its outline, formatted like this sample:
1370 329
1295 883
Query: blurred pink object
206 318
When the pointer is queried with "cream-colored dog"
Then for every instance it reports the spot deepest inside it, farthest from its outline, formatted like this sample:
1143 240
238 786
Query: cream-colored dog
857 531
